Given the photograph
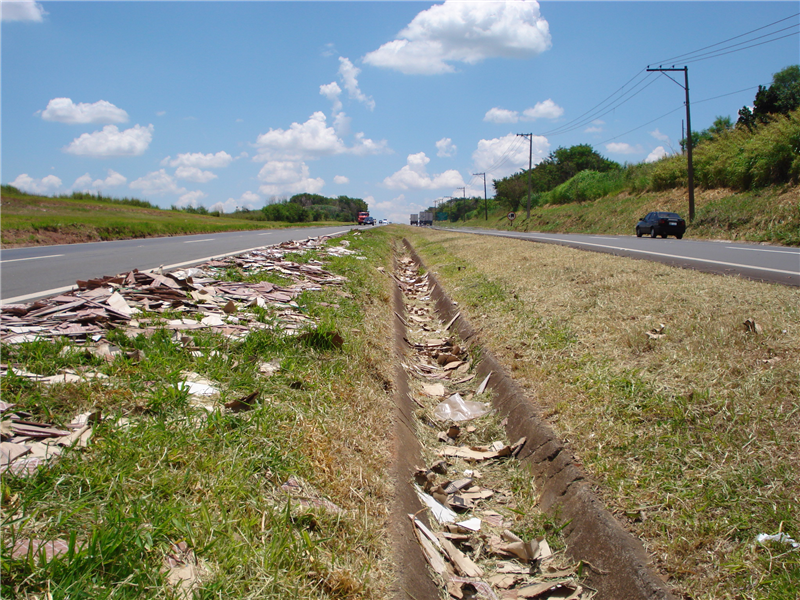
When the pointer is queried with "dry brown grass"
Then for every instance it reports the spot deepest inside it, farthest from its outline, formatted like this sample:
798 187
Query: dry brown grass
694 437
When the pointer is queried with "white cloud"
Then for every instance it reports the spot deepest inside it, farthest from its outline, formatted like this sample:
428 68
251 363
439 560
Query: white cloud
341 179
332 91
199 160
22 10
161 113
349 73
46 185
287 177
312 139
445 148
157 183
341 124
302 140
194 174
85 183
112 142
363 146
623 148
190 199
593 129
543 110
657 154
247 200
501 115
499 157
467 32
415 176
661 137
64 110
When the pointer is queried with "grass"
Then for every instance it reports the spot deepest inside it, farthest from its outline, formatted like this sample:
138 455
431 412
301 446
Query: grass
171 473
32 220
692 438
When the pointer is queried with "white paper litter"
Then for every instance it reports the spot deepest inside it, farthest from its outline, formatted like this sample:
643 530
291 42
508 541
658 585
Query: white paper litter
455 408
781 538
473 524
441 513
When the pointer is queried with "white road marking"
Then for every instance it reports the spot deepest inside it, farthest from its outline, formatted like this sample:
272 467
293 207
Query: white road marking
676 256
31 258
61 290
795 252
196 241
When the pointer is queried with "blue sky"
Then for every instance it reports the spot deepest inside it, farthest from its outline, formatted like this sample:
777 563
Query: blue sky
227 104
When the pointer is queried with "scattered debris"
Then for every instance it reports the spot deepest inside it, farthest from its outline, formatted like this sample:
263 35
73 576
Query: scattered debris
455 408
657 333
750 326
781 538
306 496
182 570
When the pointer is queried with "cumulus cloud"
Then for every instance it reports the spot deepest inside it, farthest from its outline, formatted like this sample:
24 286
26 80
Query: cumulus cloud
445 148
541 110
332 91
199 160
499 157
340 179
349 74
287 177
194 174
190 199
112 142
46 185
64 110
623 148
466 32
157 183
661 137
414 176
657 154
22 10
311 139
501 115
247 200
85 183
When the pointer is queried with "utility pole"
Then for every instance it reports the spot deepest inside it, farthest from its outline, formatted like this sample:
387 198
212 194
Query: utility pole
530 167
463 189
485 201
685 86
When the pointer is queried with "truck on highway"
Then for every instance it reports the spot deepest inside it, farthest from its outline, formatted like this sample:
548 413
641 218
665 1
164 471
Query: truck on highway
425 218
362 217
415 219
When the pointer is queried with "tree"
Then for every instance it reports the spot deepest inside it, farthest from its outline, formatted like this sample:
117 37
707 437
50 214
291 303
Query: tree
719 127
780 98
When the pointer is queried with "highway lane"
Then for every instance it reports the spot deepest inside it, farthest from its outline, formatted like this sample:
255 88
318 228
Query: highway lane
776 264
29 273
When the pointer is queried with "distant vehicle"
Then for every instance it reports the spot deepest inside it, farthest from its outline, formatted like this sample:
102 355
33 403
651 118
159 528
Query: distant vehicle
426 218
661 223
362 216
382 222
369 221
415 219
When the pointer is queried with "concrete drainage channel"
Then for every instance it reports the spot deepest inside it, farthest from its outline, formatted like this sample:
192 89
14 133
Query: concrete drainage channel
614 563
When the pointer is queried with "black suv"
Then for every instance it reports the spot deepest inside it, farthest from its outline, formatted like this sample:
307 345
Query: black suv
661 223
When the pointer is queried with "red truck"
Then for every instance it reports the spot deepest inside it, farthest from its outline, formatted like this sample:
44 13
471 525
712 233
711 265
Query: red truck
361 217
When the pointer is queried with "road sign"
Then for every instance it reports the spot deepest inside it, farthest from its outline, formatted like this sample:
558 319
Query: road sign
511 216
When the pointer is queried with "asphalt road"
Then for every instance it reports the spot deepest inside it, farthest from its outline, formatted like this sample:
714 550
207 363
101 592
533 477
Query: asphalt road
775 264
29 273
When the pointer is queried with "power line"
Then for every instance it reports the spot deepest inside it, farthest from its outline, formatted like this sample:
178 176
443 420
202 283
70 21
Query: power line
681 56
740 49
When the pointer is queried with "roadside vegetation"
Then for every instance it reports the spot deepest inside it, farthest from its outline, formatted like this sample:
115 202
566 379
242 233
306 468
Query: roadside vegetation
159 471
30 220
746 177
685 418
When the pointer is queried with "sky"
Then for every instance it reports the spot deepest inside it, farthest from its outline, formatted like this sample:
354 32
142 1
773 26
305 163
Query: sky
238 104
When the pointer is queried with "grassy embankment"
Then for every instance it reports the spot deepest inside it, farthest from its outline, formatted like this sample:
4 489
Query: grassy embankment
29 220
746 189
692 437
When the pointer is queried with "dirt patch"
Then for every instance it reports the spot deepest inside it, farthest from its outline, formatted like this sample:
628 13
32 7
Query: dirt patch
15 238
